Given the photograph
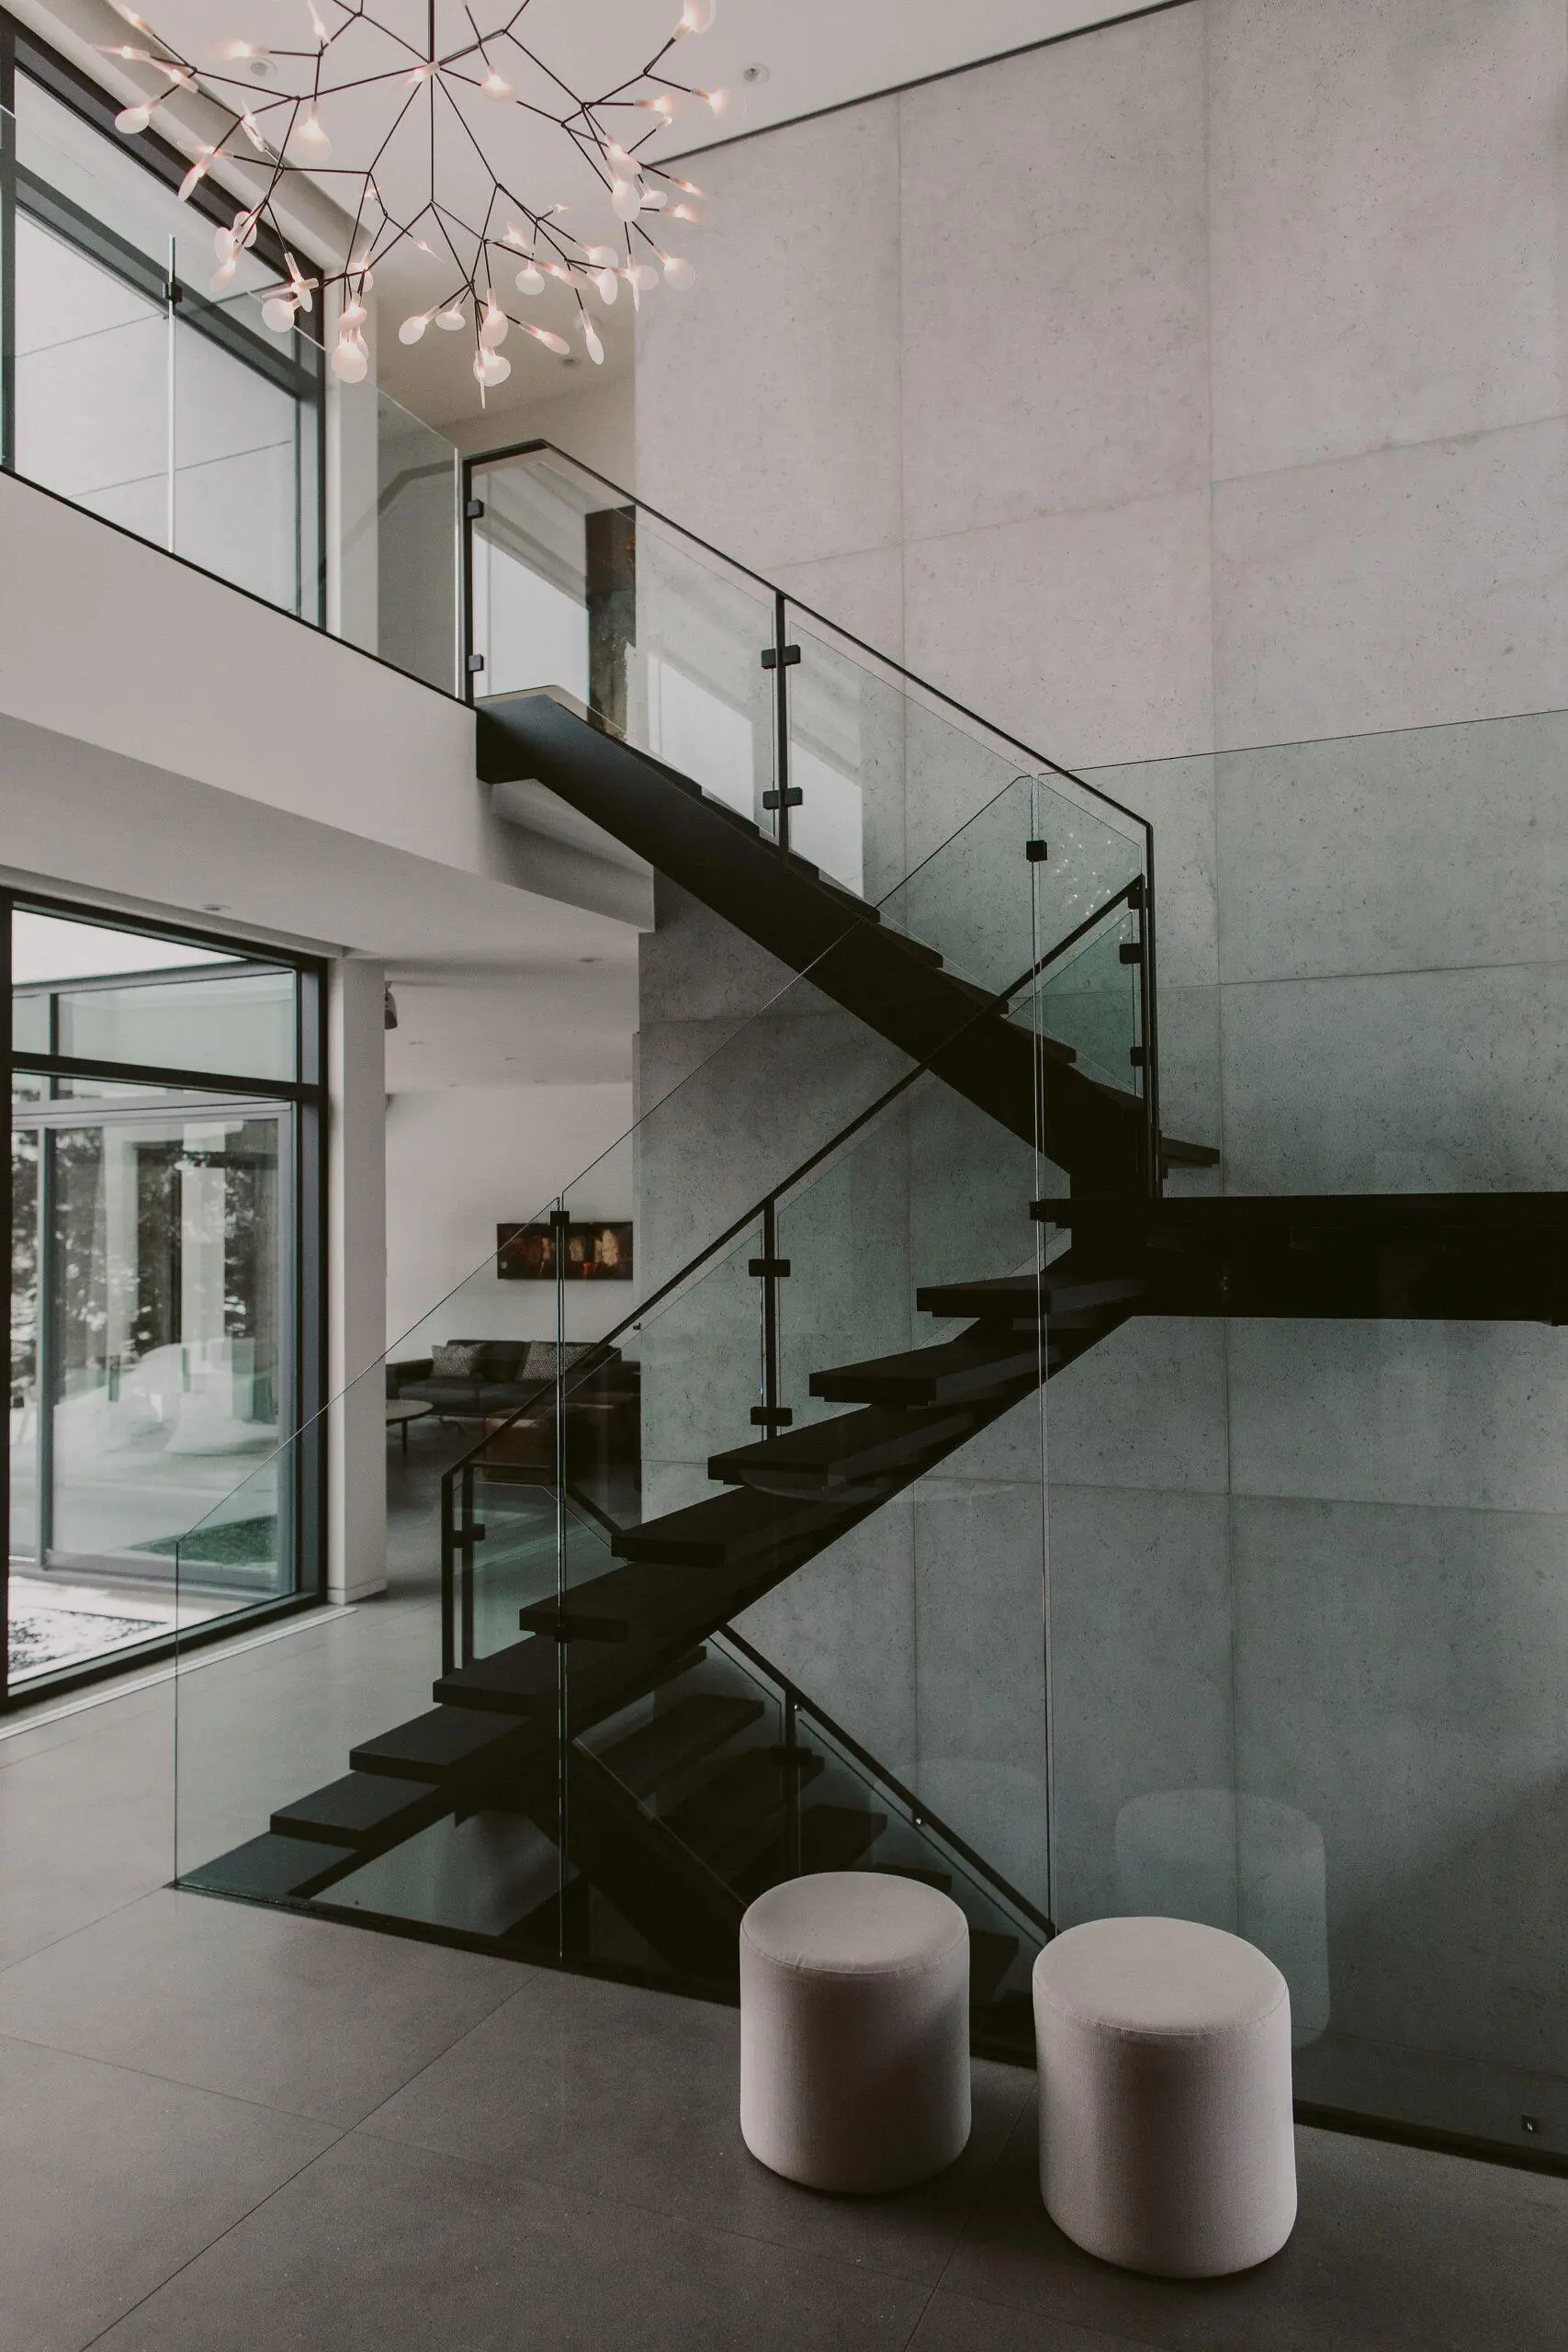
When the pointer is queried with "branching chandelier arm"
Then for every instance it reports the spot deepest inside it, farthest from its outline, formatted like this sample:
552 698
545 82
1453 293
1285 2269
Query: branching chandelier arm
285 132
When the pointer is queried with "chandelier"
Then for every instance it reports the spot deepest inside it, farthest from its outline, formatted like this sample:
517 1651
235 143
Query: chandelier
429 119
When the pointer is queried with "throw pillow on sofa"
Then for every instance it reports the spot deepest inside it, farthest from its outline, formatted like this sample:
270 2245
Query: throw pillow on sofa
457 1360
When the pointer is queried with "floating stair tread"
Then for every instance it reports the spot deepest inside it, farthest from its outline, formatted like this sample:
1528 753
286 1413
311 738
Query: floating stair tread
878 1443
271 1868
949 1372
360 1809
677 1738
1017 1297
1177 1154
429 1747
524 1675
723 1529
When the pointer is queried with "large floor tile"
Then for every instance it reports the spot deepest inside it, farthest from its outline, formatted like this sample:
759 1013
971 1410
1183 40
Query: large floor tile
961 2324
1394 2250
302 2014
629 2093
379 2247
85 1826
110 2181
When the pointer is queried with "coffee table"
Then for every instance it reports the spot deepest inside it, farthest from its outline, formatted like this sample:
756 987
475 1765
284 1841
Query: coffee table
402 1410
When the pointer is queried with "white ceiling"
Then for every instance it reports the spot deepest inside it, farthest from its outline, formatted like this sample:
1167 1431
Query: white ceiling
815 53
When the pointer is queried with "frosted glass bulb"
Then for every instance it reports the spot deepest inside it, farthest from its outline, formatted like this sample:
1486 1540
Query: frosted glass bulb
687 212
309 141
350 361
609 285
516 235
643 276
696 17
277 312
491 368
654 199
412 328
678 272
602 256
224 243
451 318
242 48
353 316
620 163
626 198
591 338
130 119
530 280
198 171
494 88
493 327
551 342
720 102
688 187
253 131
222 277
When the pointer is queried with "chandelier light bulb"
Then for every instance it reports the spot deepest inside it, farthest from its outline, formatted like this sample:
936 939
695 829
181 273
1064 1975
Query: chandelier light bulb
609 285
643 276
130 119
222 277
239 49
354 317
551 342
277 312
451 318
224 243
530 280
493 327
696 17
688 187
626 198
654 199
123 48
591 338
687 212
349 360
131 17
317 26
678 272
309 141
198 171
253 131
516 235
412 328
494 88
491 369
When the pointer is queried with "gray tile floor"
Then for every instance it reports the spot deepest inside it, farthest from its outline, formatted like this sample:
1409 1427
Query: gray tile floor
224 2129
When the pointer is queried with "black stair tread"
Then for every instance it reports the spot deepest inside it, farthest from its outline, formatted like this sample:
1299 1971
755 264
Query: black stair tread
678 1737
948 1372
1018 1295
878 1443
722 1530
738 1813
1177 1154
526 1676
1328 1214
991 1957
430 1747
362 1807
271 1868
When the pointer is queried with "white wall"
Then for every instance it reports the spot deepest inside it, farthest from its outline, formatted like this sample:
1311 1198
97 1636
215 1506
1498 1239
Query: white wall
463 1160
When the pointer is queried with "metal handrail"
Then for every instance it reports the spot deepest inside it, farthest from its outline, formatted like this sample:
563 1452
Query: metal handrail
629 498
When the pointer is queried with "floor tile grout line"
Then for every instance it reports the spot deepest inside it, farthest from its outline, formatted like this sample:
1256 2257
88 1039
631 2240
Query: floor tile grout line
179 2083
82 1927
238 2222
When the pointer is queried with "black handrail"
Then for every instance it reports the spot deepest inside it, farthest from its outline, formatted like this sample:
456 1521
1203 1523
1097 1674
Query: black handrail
919 1811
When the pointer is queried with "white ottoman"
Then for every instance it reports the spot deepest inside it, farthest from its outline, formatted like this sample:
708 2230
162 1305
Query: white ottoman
1165 2139
855 2030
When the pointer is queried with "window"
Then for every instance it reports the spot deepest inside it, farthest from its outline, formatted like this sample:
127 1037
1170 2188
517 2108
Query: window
127 388
162 1353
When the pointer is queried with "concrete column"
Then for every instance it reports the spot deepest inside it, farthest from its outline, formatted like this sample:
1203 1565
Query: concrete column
356 1282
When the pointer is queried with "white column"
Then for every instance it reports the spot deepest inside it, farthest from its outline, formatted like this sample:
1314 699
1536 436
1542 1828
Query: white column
353 549
356 1282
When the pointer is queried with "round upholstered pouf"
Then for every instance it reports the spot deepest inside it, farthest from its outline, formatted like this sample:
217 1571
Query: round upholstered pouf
1166 2140
855 2030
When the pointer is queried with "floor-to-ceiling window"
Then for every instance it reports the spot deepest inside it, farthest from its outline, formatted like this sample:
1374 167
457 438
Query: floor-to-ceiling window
127 387
165 1094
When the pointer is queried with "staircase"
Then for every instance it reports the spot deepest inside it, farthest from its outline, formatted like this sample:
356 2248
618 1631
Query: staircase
629 1773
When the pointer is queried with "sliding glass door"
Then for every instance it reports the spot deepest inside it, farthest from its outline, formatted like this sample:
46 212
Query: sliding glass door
160 1354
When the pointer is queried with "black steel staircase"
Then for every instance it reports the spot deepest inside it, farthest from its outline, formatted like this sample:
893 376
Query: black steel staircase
655 1770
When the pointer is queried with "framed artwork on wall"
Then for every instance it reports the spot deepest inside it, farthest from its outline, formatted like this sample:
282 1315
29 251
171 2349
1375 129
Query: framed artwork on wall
599 1252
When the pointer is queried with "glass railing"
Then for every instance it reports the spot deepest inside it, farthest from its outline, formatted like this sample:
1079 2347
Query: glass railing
542 1450
830 749
177 414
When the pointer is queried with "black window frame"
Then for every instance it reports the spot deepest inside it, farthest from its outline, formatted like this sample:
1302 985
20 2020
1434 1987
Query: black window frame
307 1093
295 365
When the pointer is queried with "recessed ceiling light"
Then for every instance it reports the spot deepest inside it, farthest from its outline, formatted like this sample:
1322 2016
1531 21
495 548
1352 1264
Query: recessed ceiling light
753 73
216 907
